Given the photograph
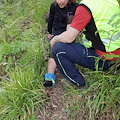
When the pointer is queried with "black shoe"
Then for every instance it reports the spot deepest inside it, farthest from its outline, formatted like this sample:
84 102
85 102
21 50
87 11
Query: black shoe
66 83
49 83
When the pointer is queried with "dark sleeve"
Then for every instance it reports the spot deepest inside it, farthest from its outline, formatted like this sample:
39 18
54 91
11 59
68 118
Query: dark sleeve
51 18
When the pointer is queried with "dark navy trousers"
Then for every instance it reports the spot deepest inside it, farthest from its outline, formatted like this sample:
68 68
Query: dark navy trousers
67 55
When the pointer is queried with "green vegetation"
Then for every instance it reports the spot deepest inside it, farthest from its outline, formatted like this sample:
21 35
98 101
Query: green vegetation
22 69
21 58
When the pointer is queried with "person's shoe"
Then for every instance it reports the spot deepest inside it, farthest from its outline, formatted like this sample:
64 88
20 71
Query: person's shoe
49 83
49 80
66 83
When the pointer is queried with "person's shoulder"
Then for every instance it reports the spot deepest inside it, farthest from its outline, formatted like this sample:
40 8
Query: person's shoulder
75 4
53 4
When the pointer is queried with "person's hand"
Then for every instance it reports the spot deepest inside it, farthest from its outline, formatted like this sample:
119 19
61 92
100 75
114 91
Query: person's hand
49 36
52 42
80 34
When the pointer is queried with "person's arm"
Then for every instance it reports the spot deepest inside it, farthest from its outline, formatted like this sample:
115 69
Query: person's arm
51 18
66 37
81 19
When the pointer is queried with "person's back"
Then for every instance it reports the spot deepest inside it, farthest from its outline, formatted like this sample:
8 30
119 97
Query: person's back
106 16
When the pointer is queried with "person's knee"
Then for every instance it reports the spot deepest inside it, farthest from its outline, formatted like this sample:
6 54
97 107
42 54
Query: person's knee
52 61
58 47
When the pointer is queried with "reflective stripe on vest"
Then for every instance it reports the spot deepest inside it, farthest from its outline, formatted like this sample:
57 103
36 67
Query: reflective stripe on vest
113 38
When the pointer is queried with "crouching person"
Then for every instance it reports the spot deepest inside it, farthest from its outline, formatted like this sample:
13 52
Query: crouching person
92 20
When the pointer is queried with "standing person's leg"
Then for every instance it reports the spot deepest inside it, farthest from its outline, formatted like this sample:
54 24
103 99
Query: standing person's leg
50 75
51 66
66 55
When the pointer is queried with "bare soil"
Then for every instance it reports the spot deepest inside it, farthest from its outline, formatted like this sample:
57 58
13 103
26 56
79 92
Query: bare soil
54 106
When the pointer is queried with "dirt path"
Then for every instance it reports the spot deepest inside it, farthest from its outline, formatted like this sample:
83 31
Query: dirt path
54 106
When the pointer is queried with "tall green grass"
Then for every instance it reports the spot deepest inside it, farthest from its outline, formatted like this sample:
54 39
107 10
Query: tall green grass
21 94
99 102
21 57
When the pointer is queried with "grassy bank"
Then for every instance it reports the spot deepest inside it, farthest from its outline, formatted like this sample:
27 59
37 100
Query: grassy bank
21 58
22 69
